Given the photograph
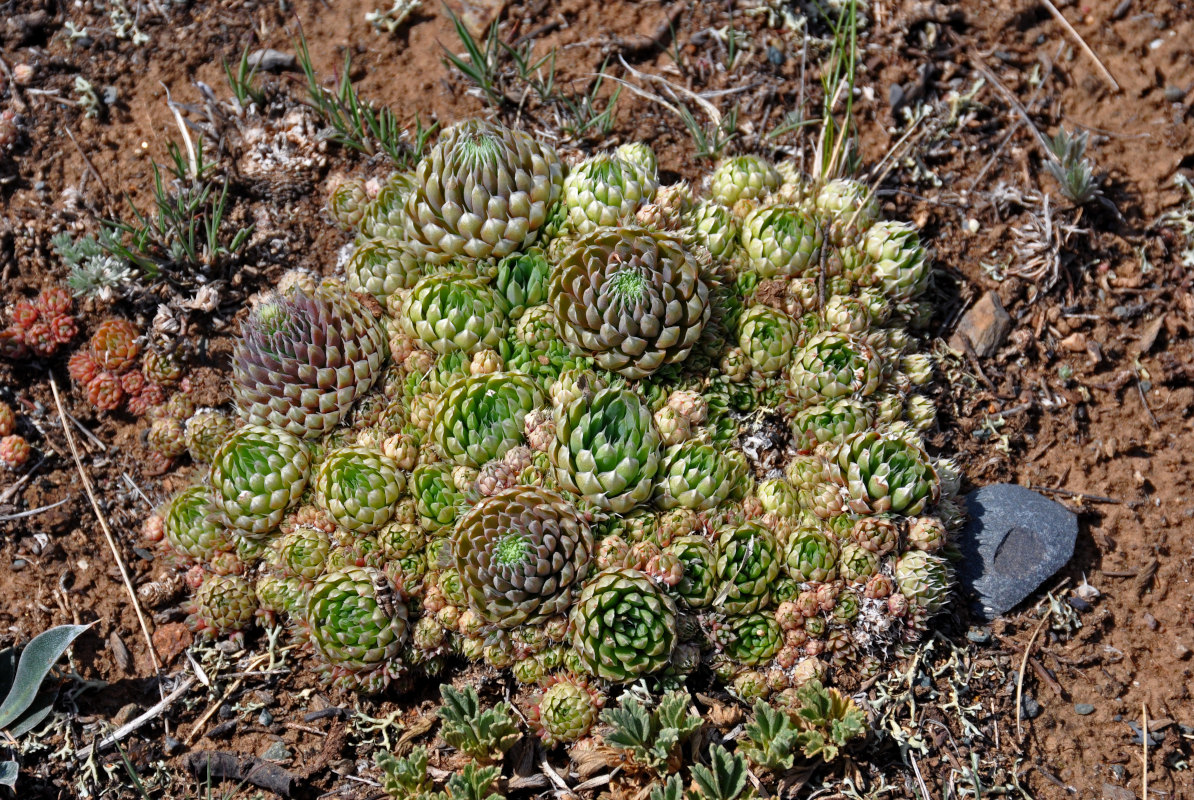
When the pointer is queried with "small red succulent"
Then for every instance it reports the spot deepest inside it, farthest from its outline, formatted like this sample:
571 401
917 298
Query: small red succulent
14 451
54 301
82 367
114 344
63 328
25 314
104 392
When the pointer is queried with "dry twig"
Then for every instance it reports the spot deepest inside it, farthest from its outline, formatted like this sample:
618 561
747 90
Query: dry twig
1020 675
32 512
132 725
99 515
1065 23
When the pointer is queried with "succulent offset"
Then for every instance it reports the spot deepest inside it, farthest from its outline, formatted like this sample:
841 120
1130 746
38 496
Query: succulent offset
632 298
483 191
601 430
256 474
522 555
304 358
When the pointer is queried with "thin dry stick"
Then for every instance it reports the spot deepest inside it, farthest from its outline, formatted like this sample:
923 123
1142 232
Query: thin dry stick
132 725
1065 23
202 721
11 490
1020 676
95 440
1144 758
33 511
99 515
90 168
919 779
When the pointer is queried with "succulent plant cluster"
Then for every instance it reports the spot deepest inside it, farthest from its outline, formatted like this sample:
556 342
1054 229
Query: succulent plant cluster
117 372
14 449
574 424
41 326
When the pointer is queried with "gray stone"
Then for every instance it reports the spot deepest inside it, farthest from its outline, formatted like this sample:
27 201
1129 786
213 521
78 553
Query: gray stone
1082 709
268 60
276 752
985 325
1014 540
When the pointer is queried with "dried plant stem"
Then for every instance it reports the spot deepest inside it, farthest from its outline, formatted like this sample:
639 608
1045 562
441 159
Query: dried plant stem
132 725
215 706
1144 756
1020 675
1065 23
99 515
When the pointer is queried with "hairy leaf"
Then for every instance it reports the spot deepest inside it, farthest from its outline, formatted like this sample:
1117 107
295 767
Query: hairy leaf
38 657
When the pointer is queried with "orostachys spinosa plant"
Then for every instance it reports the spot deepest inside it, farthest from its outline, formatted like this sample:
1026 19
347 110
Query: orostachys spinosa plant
599 431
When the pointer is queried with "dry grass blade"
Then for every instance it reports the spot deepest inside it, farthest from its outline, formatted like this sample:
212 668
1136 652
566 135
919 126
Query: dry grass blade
1144 755
920 781
705 105
1065 23
33 511
99 515
1020 675
215 706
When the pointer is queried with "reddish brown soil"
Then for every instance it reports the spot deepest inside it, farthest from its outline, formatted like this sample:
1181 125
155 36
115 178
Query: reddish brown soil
1115 436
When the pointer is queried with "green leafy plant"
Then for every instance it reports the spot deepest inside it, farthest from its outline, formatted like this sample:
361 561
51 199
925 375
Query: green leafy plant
671 789
828 721
185 227
836 151
723 779
1071 168
710 138
582 116
354 123
473 783
25 705
482 734
479 62
772 738
531 70
242 82
653 738
406 779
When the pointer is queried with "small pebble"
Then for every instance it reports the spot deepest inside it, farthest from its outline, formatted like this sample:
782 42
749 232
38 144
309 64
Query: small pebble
270 60
1150 621
1078 604
1032 709
222 730
1118 771
276 752
19 564
1181 650
265 718
775 56
979 635
126 713
172 745
1082 709
226 711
